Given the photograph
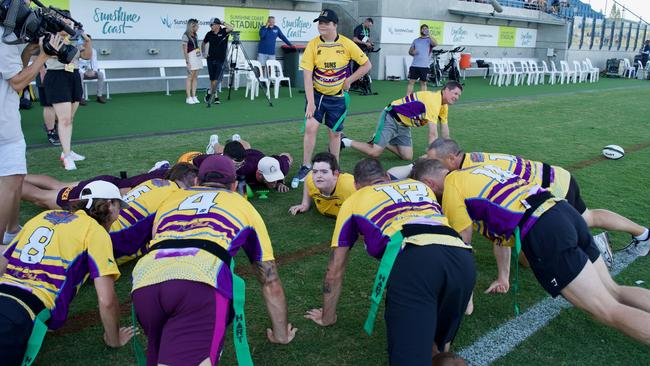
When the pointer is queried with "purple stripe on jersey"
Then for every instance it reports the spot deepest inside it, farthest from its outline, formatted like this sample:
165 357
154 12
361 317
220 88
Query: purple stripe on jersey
497 219
373 237
133 212
502 197
528 171
343 72
551 179
74 278
124 214
411 109
224 281
381 217
499 186
129 240
199 225
188 218
248 240
348 234
182 252
519 164
55 270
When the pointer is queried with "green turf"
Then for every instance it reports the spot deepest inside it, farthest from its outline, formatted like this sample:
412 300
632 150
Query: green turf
132 114
560 129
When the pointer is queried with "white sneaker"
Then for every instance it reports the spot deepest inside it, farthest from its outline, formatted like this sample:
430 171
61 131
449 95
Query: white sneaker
189 100
74 156
214 139
640 248
196 100
68 163
235 137
346 142
160 165
602 242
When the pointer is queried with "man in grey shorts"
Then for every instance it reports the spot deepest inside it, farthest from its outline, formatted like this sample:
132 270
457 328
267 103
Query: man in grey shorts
415 110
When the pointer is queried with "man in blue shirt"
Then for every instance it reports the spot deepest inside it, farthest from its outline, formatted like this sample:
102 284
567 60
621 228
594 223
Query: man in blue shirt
268 34
421 51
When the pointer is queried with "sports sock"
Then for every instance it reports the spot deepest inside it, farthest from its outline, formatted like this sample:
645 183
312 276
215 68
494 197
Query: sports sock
644 236
9 237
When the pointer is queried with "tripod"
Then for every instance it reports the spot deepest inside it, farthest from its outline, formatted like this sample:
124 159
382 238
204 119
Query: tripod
233 59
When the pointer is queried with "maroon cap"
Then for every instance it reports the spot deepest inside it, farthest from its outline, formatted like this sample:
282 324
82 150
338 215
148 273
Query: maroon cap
217 169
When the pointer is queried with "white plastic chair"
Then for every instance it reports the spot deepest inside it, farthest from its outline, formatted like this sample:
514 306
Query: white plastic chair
589 75
262 74
630 71
496 73
252 85
513 73
581 74
539 72
276 76
545 71
525 73
594 70
640 71
555 72
567 73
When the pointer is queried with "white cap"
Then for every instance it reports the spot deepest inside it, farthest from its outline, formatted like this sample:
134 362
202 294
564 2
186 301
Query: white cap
100 189
270 169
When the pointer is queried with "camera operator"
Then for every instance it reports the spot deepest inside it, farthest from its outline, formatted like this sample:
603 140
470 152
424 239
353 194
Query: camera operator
63 89
217 40
362 35
14 77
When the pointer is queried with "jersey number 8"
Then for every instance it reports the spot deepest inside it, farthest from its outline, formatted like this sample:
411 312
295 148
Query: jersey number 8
34 250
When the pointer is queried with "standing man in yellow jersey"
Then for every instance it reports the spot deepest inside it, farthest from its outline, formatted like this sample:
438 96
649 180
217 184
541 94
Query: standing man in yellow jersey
415 110
183 288
46 264
558 180
326 185
431 281
326 74
554 238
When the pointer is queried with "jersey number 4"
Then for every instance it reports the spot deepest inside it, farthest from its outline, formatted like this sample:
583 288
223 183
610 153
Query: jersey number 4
34 250
201 203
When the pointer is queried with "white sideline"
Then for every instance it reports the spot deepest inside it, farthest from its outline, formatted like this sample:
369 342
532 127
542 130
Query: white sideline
499 342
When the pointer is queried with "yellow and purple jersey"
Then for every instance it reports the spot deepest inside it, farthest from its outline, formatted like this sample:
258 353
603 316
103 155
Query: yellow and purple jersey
379 211
490 198
557 178
330 205
54 254
132 230
419 108
219 216
330 62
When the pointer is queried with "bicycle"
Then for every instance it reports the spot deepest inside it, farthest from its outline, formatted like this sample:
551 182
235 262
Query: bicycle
435 72
453 72
363 86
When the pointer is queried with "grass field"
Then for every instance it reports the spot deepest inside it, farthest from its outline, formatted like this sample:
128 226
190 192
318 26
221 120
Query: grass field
562 125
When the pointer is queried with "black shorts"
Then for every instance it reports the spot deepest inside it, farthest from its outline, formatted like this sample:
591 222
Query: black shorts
418 73
15 322
62 86
42 97
574 198
329 108
558 246
426 297
215 69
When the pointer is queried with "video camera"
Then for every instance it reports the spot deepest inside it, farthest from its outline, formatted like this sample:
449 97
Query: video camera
235 36
28 25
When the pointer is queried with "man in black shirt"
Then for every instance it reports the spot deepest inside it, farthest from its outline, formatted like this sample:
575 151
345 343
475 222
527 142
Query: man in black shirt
217 40
362 35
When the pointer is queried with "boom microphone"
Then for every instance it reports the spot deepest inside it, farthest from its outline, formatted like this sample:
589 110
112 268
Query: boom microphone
497 7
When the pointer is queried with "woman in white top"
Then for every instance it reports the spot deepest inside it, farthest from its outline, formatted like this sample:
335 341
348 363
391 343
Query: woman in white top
62 84
193 59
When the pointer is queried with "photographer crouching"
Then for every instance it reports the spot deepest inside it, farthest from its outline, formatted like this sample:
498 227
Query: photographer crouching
13 79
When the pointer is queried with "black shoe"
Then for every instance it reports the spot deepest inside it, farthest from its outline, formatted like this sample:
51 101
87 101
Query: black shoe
83 102
217 101
53 138
101 99
206 98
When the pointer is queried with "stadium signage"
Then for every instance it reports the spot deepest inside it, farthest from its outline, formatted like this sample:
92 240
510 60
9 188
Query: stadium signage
155 21
450 33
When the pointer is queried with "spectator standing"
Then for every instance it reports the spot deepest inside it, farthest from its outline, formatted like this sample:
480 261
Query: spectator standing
14 77
193 59
217 40
90 71
421 51
268 35
645 52
63 89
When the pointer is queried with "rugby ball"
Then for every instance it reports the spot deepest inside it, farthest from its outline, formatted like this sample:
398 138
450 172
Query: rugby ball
613 152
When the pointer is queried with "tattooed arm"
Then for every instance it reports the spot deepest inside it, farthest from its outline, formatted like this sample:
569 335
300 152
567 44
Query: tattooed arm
332 285
276 304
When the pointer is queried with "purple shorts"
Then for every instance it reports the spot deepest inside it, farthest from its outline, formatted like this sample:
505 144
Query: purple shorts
185 322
